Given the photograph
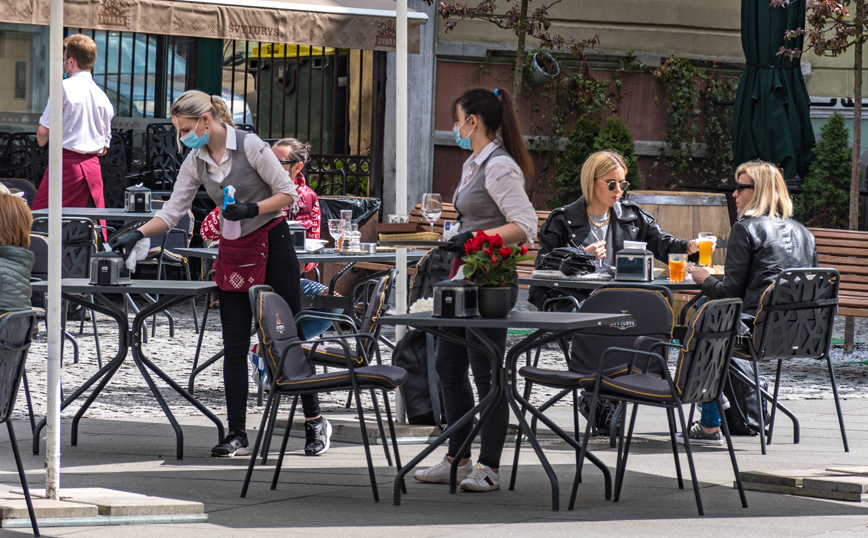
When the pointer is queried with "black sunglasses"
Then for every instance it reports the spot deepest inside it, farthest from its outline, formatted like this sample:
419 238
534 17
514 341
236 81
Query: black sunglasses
612 184
741 186
288 162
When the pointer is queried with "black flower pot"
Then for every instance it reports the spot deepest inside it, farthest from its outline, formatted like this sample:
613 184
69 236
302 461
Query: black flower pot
494 302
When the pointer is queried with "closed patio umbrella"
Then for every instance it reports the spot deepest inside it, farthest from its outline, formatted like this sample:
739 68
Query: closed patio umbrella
772 116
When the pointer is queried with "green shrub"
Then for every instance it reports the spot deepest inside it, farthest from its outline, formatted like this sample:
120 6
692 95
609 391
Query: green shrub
825 201
615 136
580 144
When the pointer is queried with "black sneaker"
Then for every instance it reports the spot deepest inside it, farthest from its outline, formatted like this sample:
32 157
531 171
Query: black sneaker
235 444
606 413
317 436
585 407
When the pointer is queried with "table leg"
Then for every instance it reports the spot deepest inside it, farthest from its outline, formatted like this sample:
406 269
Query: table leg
143 363
106 372
196 368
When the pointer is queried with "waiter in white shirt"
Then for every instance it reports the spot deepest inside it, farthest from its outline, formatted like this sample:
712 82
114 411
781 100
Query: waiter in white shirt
87 129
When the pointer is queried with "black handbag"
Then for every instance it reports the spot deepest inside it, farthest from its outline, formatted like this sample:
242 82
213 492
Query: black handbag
569 261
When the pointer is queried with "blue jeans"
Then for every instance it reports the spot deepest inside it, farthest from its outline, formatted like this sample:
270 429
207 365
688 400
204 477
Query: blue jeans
315 327
710 415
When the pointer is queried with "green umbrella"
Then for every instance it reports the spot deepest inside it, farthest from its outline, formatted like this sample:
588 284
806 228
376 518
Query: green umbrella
772 118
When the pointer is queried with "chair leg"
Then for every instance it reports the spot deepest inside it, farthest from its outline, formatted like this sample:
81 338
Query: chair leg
759 402
837 404
96 337
259 436
29 403
690 462
623 448
283 443
364 430
670 416
613 431
774 404
193 301
22 477
266 444
380 426
394 439
725 428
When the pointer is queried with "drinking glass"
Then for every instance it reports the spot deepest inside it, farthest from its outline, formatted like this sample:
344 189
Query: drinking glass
335 230
432 207
677 267
706 241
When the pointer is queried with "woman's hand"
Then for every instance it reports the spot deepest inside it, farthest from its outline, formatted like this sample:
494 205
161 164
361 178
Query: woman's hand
241 211
698 274
693 246
598 249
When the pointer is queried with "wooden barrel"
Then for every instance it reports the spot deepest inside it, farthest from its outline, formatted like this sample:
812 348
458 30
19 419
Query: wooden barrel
685 214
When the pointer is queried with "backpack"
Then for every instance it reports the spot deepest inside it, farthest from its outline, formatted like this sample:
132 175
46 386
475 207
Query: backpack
741 417
416 352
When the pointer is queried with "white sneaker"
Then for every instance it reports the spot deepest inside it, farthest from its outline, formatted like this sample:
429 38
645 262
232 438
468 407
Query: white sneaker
481 479
439 474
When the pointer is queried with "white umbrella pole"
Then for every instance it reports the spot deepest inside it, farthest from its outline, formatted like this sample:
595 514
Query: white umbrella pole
401 134
55 202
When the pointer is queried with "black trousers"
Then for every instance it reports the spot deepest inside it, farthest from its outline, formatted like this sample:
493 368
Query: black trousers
453 361
236 317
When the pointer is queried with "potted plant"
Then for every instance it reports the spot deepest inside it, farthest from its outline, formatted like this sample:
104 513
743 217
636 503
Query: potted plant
490 264
543 66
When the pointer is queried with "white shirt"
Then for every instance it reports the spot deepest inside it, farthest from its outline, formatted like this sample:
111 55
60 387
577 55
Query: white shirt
504 182
87 115
260 157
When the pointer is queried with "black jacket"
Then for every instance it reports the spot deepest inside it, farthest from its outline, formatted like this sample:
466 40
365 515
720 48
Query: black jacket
758 249
569 226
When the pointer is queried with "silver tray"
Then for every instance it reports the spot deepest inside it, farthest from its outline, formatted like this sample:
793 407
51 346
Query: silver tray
414 244
350 252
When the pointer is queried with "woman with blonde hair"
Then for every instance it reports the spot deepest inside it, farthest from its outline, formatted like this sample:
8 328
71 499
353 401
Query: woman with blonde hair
15 260
764 241
263 254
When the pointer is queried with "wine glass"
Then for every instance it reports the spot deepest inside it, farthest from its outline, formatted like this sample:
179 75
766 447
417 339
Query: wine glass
432 207
335 230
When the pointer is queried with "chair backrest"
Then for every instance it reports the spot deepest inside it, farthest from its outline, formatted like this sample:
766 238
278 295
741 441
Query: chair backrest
175 239
432 268
162 146
79 240
39 248
652 314
16 333
796 314
24 186
378 303
704 361
275 325
114 184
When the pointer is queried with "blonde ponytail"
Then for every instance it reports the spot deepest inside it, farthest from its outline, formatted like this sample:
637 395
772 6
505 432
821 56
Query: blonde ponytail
193 103
219 107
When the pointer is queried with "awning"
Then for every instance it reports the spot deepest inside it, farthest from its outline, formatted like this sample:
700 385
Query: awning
348 24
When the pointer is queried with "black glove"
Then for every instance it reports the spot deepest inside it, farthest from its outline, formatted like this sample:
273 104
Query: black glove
458 240
241 211
126 242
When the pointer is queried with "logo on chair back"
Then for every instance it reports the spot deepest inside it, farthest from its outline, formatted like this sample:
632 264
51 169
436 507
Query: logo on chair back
278 324
624 325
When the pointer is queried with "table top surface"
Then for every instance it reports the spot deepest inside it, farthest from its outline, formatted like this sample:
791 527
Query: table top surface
162 287
594 284
516 320
321 257
112 213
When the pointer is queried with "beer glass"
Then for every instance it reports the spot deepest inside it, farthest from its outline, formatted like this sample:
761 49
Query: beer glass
677 267
706 241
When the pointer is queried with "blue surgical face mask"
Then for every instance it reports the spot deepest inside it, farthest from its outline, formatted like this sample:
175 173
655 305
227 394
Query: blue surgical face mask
194 141
65 62
463 143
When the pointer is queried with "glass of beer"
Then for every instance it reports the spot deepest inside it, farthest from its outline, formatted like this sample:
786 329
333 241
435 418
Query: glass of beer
677 267
706 241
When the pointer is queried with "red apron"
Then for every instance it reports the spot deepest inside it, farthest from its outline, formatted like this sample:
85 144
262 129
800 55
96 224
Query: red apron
82 180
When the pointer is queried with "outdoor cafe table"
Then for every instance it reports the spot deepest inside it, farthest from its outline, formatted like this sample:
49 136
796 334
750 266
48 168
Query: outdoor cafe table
595 284
549 326
100 213
130 335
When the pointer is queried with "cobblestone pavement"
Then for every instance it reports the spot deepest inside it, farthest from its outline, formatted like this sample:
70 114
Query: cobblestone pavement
128 395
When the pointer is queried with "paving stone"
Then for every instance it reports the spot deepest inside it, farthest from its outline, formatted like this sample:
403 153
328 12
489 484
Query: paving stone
122 503
790 479
844 484
850 469
44 508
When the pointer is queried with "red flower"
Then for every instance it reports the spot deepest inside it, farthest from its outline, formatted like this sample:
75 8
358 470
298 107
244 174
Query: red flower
489 251
496 241
523 249
505 252
494 259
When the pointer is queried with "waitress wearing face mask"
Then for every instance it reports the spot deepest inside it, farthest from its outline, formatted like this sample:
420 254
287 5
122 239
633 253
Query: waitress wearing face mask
223 156
491 196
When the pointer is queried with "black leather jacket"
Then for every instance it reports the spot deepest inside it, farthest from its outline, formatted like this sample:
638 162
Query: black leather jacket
758 249
569 226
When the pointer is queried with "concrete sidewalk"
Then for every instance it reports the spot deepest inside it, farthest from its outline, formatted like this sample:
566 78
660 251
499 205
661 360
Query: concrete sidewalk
331 496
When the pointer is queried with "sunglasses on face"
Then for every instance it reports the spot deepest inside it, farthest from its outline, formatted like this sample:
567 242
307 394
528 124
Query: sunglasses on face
741 186
612 184
289 162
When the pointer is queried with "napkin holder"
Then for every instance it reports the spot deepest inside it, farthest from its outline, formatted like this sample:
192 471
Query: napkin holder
634 265
108 269
137 199
456 299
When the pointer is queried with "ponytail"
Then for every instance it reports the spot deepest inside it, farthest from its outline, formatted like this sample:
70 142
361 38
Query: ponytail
219 106
193 103
497 113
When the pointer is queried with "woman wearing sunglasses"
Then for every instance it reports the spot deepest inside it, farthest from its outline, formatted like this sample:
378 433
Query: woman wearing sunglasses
764 241
601 220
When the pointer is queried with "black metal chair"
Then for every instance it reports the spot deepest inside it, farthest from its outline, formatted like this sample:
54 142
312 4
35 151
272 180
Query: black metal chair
795 320
700 374
291 374
16 333
24 186
650 329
